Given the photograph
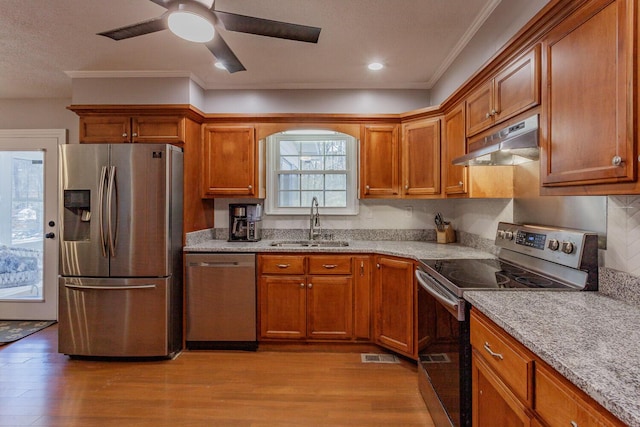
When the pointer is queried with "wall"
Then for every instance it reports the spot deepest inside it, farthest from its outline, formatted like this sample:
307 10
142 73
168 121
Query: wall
505 21
337 101
39 113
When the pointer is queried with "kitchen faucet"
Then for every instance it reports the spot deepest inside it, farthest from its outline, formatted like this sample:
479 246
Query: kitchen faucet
314 220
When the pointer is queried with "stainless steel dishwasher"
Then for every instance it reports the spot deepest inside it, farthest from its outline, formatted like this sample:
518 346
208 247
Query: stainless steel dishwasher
221 301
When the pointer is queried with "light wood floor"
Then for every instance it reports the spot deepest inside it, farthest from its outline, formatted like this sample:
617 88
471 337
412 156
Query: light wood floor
40 387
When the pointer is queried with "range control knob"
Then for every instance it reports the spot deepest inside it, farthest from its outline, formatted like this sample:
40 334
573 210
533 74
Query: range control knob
567 247
501 234
508 235
554 245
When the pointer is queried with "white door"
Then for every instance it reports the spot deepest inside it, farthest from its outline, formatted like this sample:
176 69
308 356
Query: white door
28 223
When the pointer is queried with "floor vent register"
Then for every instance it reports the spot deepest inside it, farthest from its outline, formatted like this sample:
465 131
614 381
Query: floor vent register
379 358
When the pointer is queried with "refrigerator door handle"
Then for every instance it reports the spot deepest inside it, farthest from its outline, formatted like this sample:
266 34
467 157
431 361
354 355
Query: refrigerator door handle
110 288
101 189
112 193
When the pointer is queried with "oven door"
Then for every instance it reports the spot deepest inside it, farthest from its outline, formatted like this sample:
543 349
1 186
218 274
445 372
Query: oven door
444 370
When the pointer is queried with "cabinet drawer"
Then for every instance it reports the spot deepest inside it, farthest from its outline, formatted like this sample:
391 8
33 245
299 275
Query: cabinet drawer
558 405
281 264
505 355
329 264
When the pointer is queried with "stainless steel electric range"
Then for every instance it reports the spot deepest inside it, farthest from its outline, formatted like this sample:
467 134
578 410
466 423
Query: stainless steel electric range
531 257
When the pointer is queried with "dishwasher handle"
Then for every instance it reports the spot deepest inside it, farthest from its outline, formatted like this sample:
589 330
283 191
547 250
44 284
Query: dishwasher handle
217 264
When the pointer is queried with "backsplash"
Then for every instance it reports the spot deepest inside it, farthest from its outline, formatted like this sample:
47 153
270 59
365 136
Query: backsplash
623 234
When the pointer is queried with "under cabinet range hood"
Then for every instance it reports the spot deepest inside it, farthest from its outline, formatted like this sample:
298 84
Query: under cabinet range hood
512 145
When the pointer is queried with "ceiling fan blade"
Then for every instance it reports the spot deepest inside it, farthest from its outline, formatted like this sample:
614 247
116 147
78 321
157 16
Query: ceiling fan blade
134 30
162 3
224 54
267 27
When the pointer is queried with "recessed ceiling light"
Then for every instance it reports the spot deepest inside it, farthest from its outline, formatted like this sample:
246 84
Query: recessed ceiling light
375 66
220 65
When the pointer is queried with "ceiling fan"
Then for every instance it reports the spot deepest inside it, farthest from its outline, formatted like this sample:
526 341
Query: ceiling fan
195 21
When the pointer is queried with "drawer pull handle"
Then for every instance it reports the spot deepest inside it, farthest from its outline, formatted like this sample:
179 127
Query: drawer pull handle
283 265
329 266
491 352
574 424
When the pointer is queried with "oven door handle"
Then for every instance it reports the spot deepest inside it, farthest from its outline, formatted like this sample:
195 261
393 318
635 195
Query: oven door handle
436 290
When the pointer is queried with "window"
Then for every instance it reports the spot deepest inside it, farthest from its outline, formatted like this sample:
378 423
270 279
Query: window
304 164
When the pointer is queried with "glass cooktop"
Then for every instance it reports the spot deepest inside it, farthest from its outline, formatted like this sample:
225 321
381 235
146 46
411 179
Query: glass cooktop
484 274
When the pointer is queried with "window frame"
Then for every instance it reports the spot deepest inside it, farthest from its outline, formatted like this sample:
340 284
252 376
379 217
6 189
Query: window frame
273 172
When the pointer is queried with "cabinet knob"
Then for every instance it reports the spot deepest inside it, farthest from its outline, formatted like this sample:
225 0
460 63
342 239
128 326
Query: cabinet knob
460 183
250 187
378 265
486 116
366 187
406 187
134 134
302 285
494 112
124 135
310 285
616 161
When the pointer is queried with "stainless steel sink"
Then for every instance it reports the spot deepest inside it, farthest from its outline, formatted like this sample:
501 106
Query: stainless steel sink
310 243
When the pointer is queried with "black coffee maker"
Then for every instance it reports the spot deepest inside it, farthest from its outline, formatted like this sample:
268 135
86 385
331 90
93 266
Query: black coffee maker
244 222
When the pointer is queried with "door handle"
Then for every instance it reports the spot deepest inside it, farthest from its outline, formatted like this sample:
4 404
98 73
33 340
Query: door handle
50 235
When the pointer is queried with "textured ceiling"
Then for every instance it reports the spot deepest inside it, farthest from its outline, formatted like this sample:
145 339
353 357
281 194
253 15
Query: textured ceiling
41 41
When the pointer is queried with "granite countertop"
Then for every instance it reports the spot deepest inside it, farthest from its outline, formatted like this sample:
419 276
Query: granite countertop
407 249
591 339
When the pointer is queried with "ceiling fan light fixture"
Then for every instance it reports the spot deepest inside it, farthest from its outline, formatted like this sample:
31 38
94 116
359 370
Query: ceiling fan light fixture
190 26
375 66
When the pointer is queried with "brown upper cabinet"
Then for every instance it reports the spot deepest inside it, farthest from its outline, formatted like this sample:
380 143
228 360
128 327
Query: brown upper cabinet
379 164
230 161
454 145
420 154
406 167
115 129
589 104
513 90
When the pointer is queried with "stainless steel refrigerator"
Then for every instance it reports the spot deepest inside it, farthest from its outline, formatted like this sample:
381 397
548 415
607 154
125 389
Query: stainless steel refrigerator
120 286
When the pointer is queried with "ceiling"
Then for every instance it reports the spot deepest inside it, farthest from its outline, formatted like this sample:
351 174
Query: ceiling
44 43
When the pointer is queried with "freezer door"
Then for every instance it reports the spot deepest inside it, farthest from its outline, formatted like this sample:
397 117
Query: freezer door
114 317
83 169
138 222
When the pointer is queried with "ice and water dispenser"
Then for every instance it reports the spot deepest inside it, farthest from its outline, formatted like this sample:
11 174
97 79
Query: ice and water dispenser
77 215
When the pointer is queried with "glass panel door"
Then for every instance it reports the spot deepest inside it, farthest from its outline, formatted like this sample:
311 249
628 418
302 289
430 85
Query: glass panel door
28 223
21 224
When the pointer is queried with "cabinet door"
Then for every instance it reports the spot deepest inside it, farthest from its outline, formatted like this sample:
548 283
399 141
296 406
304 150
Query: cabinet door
587 121
394 304
330 307
229 163
558 404
282 306
454 145
479 107
517 88
362 297
158 129
105 129
379 162
420 151
493 405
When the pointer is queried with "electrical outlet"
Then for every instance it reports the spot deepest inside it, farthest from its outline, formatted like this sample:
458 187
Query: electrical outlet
408 211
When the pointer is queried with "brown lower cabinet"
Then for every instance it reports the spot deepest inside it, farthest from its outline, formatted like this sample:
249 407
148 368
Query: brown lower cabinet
394 304
313 297
512 387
